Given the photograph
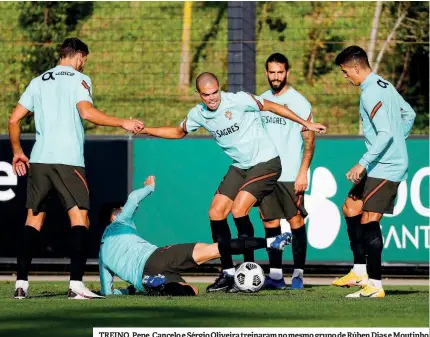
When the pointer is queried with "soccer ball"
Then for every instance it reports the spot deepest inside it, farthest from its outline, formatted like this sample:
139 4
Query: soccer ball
249 277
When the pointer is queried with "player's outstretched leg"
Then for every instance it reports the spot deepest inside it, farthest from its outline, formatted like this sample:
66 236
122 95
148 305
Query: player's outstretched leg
238 246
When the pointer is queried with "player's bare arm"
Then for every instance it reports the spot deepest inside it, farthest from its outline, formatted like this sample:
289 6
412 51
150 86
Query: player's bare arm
20 161
287 113
301 183
89 113
168 132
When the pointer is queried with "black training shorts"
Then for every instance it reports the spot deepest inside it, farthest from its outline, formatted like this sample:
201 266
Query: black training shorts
258 180
283 203
170 260
378 195
69 182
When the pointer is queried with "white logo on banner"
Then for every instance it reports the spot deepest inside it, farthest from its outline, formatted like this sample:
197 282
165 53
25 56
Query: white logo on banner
9 180
324 217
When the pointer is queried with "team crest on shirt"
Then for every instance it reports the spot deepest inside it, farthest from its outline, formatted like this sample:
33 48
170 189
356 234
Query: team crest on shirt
228 115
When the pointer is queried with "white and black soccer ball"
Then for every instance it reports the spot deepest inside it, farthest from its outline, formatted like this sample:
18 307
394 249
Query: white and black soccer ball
249 277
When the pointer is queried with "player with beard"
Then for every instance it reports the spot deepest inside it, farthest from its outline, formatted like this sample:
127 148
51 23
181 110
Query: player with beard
295 145
234 121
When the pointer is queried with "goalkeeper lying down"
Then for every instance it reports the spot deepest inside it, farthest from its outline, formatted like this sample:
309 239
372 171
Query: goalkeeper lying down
156 271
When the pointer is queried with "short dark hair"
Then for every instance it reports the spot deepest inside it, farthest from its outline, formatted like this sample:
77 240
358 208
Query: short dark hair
352 53
278 58
203 76
71 46
106 211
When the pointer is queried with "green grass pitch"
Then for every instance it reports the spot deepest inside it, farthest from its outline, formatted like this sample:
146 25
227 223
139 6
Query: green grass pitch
49 313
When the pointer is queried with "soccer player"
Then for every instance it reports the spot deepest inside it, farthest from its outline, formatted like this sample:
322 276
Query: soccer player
387 121
234 121
59 98
295 145
125 254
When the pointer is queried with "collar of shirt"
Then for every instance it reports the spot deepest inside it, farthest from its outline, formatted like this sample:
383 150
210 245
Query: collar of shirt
62 66
368 80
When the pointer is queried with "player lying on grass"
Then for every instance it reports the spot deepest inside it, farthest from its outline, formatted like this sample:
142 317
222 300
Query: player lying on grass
157 270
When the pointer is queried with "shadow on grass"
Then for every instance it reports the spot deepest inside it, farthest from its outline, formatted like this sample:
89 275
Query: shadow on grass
401 292
79 322
288 289
46 294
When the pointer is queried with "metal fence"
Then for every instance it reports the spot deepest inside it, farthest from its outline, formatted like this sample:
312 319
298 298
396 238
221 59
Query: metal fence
144 56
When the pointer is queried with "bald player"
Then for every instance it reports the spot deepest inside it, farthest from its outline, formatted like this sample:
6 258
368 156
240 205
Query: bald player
234 121
387 121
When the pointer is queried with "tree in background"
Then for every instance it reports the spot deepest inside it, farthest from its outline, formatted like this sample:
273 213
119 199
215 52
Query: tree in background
325 44
211 35
184 71
403 55
273 19
47 24
412 67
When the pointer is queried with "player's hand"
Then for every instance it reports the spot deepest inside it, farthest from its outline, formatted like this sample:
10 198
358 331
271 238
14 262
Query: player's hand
150 181
132 125
20 163
355 174
301 183
316 127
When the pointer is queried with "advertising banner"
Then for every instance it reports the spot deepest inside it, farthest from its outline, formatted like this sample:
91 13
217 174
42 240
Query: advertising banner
189 171
106 161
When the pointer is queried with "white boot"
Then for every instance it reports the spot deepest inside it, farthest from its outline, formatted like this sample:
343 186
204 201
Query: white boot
78 291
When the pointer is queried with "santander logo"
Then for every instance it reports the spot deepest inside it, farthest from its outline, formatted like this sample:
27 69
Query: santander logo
325 217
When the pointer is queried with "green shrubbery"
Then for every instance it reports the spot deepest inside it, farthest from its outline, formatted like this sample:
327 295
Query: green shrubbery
135 53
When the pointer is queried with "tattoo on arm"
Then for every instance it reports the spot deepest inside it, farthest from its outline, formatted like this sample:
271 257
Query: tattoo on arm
309 148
